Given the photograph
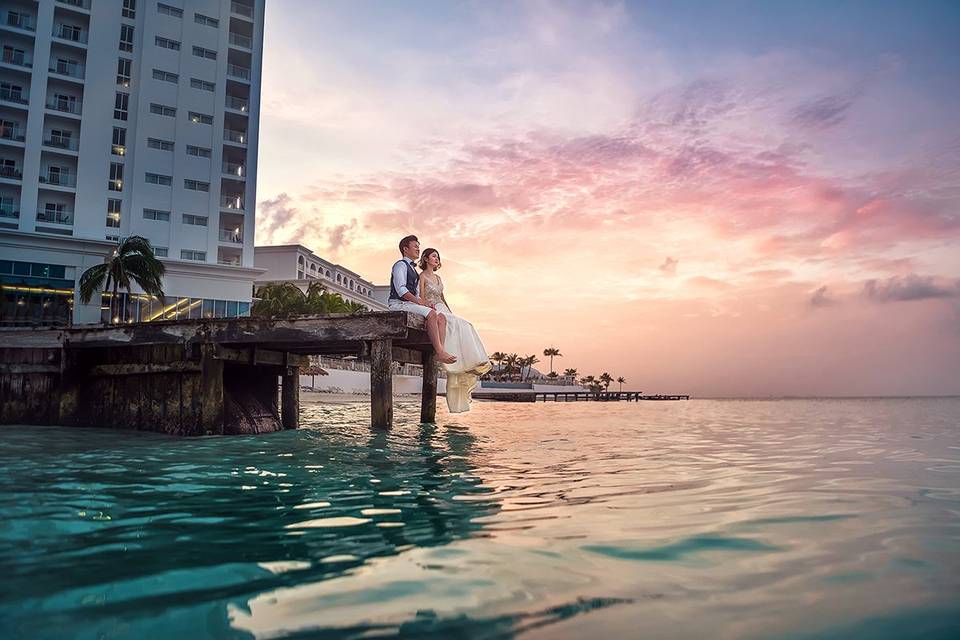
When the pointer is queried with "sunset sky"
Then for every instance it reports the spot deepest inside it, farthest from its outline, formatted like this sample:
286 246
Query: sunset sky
721 199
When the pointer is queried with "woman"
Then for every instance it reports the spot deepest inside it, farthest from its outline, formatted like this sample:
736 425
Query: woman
461 339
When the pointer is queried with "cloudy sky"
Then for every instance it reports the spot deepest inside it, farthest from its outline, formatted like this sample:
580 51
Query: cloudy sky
725 199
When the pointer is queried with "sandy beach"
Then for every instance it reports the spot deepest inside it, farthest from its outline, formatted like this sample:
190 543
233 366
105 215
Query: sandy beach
323 397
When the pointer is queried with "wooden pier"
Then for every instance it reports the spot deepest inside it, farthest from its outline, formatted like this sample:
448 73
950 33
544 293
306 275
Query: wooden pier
200 377
573 396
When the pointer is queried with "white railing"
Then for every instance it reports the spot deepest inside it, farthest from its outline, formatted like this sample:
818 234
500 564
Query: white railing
234 169
241 9
11 133
59 179
231 135
14 96
73 69
66 32
241 40
231 202
11 173
57 217
61 142
16 58
236 71
229 235
9 212
82 4
67 106
21 21
234 102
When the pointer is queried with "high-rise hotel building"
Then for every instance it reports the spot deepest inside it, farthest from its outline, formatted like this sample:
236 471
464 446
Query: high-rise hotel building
128 117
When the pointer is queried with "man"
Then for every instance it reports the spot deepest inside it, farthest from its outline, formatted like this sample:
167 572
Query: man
405 296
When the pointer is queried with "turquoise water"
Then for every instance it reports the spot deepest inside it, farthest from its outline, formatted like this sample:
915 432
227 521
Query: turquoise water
722 519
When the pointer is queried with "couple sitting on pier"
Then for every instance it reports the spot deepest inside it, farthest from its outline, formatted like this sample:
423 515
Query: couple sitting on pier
455 341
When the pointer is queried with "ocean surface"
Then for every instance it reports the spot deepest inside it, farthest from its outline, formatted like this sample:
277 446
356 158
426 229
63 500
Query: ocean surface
787 519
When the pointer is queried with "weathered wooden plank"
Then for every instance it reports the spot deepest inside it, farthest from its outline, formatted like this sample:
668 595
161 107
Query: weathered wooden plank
290 398
381 384
184 366
428 395
403 354
392 324
28 368
211 392
31 337
253 355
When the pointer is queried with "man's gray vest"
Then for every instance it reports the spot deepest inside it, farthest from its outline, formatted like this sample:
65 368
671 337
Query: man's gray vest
412 279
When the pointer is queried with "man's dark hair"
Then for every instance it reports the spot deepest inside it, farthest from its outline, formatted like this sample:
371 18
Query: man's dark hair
406 241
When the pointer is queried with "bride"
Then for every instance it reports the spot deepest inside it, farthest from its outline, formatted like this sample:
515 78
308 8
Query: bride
461 338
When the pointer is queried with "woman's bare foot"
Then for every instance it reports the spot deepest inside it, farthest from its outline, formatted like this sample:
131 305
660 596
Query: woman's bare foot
446 358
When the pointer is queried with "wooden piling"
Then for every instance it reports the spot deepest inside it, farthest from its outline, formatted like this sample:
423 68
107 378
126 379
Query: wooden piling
428 394
290 398
381 384
211 391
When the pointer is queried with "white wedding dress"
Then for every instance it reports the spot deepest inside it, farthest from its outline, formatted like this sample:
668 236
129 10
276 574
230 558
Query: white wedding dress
463 342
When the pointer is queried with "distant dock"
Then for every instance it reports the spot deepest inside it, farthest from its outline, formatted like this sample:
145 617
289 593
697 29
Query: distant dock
573 396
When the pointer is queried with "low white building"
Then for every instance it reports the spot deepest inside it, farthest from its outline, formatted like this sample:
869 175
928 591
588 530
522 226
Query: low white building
299 265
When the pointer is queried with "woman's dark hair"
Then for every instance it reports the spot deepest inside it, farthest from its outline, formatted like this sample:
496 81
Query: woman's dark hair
407 240
426 254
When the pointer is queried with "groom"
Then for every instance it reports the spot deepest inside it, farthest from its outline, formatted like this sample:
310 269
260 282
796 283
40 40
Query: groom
404 296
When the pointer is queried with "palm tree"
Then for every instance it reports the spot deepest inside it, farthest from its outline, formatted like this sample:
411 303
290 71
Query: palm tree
587 380
606 379
132 259
620 381
513 361
278 300
498 357
551 352
528 361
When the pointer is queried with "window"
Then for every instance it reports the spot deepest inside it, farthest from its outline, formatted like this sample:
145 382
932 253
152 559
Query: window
190 254
120 104
113 212
157 178
123 72
13 92
165 76
156 214
14 55
126 37
196 83
119 147
200 152
162 145
199 18
196 185
69 32
116 177
166 43
200 118
167 10
113 238
200 221
130 9
160 252
162 110
61 138
200 52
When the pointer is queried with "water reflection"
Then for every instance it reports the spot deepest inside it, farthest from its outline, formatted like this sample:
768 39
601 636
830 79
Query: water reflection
141 526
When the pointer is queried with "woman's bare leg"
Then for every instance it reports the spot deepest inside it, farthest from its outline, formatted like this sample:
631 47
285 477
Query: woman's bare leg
433 330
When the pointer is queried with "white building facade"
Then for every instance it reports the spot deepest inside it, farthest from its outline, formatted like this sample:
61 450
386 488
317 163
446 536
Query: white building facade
128 117
297 264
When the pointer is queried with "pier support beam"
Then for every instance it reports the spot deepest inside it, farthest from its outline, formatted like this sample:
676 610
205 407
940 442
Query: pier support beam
211 391
428 393
290 398
381 384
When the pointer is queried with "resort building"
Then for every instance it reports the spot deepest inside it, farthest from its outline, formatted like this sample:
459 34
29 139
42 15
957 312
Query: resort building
128 117
297 264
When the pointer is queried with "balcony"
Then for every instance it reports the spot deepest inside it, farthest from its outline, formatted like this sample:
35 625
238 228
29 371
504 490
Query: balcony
12 133
76 4
71 70
241 40
9 212
232 236
20 21
237 104
234 170
59 180
236 71
14 95
237 137
10 173
64 106
241 10
17 59
70 33
231 203
55 216
61 142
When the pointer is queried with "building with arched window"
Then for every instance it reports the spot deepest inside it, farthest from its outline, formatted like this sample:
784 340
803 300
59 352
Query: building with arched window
297 264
